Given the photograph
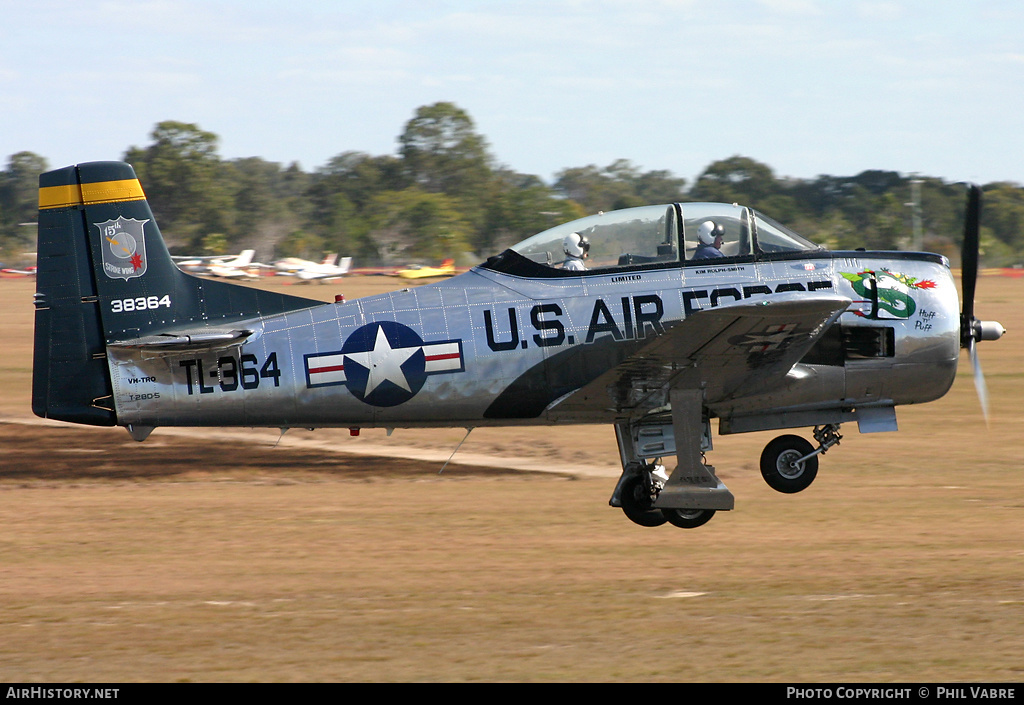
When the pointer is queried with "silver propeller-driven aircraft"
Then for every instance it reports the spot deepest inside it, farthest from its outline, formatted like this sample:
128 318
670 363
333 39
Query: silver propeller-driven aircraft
656 320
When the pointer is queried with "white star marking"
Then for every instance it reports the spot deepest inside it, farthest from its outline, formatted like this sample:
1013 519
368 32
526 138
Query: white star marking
384 363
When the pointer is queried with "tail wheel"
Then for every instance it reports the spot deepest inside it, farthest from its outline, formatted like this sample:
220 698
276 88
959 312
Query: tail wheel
688 518
782 468
638 502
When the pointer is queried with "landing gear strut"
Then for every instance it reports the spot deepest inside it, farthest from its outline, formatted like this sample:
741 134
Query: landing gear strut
789 464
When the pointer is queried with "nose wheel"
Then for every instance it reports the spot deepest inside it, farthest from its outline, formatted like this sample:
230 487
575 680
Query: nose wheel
789 464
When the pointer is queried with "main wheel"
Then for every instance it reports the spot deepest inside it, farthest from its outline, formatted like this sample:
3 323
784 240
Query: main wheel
779 466
688 518
638 504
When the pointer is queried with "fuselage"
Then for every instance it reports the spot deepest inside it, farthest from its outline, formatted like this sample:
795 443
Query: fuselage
494 346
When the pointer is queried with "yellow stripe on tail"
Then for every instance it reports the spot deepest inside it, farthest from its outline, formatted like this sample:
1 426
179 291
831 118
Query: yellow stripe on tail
90 194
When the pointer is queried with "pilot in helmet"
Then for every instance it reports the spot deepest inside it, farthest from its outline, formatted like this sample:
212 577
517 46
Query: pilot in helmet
710 235
576 247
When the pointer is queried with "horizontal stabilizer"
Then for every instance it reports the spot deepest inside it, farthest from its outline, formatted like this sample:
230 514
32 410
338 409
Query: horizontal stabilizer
180 342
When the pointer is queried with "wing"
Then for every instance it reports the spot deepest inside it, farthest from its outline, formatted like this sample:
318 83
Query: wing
729 352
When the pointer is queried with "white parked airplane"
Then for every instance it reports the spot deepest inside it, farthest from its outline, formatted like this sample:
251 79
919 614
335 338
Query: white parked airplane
238 268
310 271
221 263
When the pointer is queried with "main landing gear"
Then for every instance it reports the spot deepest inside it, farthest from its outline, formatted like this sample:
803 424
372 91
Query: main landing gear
639 492
650 496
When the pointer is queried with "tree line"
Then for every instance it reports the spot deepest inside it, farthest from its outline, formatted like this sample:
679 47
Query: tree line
444 194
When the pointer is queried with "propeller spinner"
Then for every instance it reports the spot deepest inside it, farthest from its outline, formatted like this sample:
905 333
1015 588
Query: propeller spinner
972 330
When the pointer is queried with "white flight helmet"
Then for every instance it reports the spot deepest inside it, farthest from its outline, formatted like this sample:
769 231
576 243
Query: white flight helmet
708 231
575 245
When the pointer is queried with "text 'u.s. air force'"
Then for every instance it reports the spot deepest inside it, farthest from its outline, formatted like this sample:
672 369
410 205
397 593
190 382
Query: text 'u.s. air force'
628 318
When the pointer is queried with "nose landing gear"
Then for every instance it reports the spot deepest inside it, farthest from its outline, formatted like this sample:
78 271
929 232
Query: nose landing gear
789 463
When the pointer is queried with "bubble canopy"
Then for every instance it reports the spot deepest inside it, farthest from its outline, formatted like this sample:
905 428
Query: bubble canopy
665 234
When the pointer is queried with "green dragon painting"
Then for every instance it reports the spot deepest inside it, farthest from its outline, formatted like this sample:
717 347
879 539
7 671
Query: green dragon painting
893 290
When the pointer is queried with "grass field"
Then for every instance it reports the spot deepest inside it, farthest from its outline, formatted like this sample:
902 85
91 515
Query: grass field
224 557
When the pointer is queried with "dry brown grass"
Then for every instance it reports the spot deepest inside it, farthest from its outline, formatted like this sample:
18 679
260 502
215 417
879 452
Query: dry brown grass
204 557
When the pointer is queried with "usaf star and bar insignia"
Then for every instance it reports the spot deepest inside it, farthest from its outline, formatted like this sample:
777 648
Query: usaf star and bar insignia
383 363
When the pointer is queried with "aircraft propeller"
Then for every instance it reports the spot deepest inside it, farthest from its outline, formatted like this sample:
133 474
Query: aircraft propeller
972 330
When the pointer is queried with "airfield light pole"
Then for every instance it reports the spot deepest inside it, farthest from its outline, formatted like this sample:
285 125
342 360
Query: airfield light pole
915 210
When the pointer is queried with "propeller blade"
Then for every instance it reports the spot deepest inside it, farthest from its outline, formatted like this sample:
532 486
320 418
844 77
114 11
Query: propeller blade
971 329
979 380
969 261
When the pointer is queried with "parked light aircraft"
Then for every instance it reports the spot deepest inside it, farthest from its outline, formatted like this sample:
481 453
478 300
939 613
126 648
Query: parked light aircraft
445 269
241 267
206 263
331 268
650 337
288 265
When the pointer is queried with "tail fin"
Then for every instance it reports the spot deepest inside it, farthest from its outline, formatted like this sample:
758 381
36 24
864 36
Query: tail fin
244 258
104 276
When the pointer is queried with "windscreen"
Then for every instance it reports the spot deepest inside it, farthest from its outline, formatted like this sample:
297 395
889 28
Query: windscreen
773 237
